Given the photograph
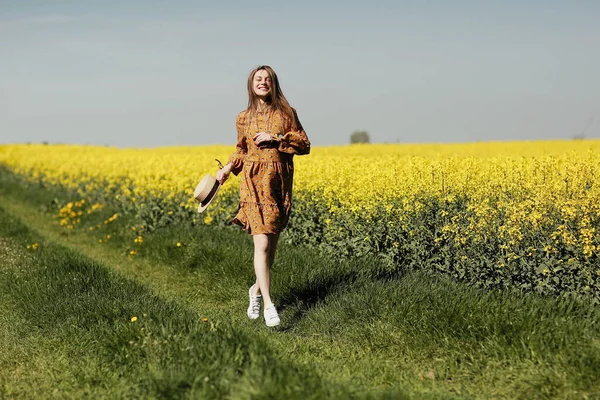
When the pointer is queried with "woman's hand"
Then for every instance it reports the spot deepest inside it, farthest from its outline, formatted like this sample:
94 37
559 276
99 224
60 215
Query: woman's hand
223 173
262 138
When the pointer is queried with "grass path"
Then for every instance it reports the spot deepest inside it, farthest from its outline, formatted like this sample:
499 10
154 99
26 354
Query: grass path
68 330
218 300
348 329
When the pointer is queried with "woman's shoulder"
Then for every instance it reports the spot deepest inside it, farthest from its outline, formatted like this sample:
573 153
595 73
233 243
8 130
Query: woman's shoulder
290 117
242 116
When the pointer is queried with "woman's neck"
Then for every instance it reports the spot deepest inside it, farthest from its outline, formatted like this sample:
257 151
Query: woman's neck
262 104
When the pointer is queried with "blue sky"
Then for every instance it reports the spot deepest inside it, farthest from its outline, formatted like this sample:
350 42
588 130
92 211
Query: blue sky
163 73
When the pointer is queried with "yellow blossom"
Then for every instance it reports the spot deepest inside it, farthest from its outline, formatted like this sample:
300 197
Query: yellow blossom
514 191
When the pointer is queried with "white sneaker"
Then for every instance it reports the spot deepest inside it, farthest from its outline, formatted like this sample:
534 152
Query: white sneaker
271 316
254 307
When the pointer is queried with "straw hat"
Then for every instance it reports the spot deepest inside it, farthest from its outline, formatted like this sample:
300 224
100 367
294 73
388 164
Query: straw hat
206 191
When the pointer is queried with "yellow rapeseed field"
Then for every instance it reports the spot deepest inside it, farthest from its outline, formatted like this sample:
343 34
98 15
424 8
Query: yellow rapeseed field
359 176
526 182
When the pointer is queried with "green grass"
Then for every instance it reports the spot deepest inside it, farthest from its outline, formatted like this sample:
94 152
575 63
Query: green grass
348 329
68 328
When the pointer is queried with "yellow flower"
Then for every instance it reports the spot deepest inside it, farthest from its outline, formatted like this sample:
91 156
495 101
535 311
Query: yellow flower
204 319
134 318
133 252
179 244
513 189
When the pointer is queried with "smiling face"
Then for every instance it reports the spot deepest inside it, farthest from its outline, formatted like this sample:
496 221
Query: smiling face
262 84
264 90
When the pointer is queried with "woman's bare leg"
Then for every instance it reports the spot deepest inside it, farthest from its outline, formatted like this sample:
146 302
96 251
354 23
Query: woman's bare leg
265 247
261 267
273 239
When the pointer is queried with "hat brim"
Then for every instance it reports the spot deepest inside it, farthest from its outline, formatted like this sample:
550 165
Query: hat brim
202 207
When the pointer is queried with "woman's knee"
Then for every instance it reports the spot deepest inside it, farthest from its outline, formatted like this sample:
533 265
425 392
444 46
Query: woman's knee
261 243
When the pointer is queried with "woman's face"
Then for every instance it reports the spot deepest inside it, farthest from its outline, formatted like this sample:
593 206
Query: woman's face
262 84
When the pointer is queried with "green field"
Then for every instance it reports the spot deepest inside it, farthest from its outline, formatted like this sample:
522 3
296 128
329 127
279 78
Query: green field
349 329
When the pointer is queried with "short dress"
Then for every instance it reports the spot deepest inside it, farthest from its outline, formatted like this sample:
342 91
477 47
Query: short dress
267 172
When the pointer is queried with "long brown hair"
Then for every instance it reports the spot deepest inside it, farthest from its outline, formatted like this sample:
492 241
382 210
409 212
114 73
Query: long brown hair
276 100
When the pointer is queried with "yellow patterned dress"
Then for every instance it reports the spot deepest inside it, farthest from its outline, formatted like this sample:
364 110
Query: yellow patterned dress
267 171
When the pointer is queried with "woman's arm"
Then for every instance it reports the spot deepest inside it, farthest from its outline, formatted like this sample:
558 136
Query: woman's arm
294 141
236 160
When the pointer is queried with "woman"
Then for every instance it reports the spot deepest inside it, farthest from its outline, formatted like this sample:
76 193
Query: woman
269 134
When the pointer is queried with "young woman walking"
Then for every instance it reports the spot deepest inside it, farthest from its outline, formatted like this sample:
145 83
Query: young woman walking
269 134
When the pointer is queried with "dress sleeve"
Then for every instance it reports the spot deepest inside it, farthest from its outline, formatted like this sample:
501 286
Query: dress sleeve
295 141
241 149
